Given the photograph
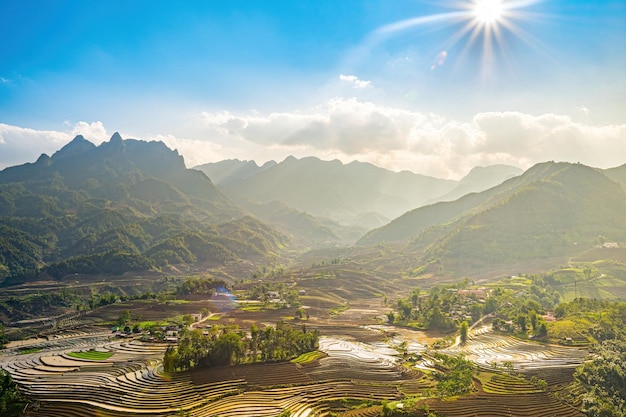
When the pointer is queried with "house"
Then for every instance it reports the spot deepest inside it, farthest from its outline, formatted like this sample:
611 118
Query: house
273 296
171 335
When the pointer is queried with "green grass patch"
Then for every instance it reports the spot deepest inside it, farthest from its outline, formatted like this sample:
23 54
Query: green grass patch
256 307
149 324
214 317
91 355
308 357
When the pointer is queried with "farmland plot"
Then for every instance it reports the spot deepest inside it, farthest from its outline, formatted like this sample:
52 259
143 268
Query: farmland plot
486 348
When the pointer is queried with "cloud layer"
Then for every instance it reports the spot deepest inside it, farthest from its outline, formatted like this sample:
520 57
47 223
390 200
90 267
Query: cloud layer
19 144
427 143
349 129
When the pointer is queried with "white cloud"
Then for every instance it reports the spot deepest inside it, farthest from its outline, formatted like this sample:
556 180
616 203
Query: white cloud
349 129
94 132
19 145
194 151
427 143
354 81
584 110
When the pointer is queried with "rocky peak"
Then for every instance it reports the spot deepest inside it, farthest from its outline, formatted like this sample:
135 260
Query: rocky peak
77 146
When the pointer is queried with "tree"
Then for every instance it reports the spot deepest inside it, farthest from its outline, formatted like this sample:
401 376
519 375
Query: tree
404 308
604 379
463 332
187 319
521 320
532 315
124 318
415 297
11 403
3 337
491 304
543 330
476 311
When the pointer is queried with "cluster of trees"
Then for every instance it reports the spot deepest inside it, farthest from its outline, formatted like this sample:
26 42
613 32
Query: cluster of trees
427 311
607 319
272 270
11 403
261 292
199 285
334 261
230 346
457 378
603 377
517 311
443 308
521 322
604 380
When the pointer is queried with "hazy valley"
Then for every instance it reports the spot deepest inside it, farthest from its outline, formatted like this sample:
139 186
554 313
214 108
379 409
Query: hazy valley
306 287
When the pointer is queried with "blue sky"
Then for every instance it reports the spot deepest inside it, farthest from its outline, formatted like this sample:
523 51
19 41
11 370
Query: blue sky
375 80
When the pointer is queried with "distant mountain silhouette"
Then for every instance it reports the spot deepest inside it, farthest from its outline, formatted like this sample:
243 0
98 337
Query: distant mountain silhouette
617 174
330 189
480 179
230 170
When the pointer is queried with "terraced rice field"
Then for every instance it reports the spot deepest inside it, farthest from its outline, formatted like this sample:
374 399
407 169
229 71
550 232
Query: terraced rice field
357 366
128 382
505 405
486 347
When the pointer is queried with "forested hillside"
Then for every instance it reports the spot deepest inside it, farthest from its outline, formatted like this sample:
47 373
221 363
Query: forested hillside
552 210
125 205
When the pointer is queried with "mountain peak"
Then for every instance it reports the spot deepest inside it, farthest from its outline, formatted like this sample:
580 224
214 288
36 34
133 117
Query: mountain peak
43 159
116 137
77 146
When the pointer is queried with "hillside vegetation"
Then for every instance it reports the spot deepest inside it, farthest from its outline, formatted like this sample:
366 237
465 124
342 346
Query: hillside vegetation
126 205
554 210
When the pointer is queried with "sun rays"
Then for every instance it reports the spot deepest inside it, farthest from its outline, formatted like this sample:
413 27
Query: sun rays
492 23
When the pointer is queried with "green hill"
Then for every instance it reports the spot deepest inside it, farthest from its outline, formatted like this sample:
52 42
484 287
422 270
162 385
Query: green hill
302 228
552 210
124 205
557 217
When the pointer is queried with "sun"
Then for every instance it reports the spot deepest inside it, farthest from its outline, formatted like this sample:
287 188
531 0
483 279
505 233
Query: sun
493 23
488 11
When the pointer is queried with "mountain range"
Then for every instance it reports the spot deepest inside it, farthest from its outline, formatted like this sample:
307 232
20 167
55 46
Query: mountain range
355 194
130 205
122 206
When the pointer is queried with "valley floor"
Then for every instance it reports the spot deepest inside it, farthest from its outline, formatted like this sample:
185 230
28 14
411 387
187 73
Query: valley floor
363 366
